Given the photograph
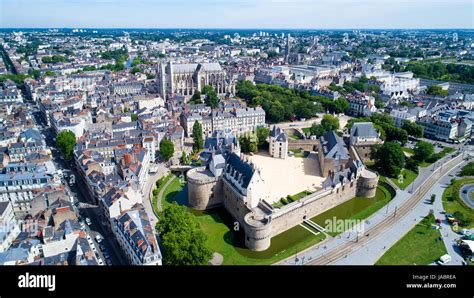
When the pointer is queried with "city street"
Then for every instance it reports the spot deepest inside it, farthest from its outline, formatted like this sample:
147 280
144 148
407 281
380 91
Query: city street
78 191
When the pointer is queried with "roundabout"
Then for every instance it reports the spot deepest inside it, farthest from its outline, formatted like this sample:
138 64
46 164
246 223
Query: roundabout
466 194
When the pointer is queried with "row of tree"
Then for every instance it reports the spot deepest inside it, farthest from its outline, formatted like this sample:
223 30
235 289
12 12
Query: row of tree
444 72
390 159
282 103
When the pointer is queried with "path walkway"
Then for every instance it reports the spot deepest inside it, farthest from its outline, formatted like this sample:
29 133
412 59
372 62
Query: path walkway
375 248
466 194
160 194
147 198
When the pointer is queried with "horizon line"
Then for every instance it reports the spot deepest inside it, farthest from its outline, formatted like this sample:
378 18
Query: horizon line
233 28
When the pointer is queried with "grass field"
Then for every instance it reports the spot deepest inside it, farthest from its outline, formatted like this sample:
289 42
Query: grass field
356 208
157 190
408 177
420 246
452 202
218 225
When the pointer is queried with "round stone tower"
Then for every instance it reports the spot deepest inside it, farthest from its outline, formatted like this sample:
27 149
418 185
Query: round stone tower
257 231
204 190
367 184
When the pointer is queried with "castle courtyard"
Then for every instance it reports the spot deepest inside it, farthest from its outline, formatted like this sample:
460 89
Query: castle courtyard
288 176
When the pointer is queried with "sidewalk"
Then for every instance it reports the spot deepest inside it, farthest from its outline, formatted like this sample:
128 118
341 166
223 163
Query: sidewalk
378 246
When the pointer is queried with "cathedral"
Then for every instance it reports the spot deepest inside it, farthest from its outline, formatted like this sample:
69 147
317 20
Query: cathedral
186 79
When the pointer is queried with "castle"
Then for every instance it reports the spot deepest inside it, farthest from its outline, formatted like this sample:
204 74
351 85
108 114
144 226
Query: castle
228 180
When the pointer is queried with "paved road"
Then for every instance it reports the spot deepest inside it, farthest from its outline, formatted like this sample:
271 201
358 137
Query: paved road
466 194
376 226
304 124
160 195
149 186
376 247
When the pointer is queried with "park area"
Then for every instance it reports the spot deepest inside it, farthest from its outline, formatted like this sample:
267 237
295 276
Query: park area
218 225
453 204
422 245
357 208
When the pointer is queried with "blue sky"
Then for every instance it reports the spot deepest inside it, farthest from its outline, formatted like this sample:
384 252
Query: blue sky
237 13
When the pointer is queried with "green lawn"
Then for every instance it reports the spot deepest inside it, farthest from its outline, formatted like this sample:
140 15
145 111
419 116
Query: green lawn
162 182
420 246
408 151
452 202
408 177
218 225
300 153
437 156
171 192
356 208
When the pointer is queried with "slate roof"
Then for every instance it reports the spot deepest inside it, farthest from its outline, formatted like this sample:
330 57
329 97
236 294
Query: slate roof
242 167
333 146
364 129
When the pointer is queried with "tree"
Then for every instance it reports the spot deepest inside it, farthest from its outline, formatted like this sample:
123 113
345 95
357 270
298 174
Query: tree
395 134
211 98
423 151
184 159
413 129
65 141
134 117
182 240
197 136
330 122
467 170
432 199
317 130
341 105
262 135
248 142
436 90
196 99
166 149
389 158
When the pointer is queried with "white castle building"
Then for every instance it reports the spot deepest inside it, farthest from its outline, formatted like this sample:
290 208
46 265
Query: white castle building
278 143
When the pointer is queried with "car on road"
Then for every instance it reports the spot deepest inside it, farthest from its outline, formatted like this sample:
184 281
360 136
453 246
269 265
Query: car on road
88 221
445 259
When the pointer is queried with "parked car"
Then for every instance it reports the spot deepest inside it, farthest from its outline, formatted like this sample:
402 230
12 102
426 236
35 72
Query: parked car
88 221
83 225
94 249
445 259
100 262
98 238
108 262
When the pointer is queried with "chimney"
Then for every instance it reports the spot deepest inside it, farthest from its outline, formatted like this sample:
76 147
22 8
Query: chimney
127 158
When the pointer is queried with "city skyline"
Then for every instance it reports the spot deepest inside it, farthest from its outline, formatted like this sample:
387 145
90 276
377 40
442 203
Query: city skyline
238 14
